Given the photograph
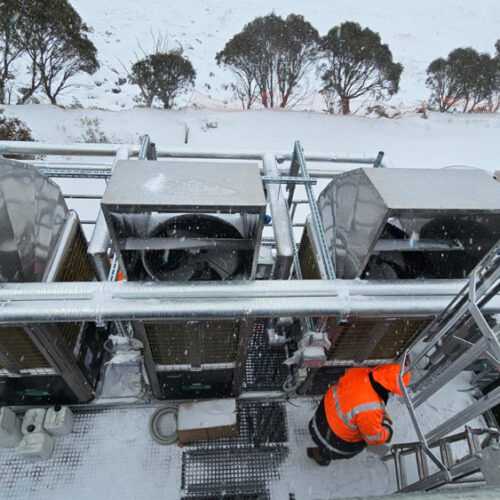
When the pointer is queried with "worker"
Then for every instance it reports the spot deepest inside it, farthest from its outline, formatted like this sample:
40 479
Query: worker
352 413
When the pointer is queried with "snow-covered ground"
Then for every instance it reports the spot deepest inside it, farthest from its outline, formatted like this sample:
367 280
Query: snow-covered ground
409 141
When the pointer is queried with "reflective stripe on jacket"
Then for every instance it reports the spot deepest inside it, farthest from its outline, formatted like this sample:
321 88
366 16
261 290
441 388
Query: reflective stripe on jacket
354 410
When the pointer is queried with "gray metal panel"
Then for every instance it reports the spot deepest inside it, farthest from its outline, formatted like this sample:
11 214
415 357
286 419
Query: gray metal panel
32 212
50 216
356 205
435 189
184 185
19 194
353 215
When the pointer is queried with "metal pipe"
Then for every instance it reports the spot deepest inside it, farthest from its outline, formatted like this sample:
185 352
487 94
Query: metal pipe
281 224
445 289
94 301
100 239
20 147
103 171
112 309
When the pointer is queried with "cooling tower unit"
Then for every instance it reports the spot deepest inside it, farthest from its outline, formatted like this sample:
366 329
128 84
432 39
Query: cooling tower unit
188 221
392 224
41 241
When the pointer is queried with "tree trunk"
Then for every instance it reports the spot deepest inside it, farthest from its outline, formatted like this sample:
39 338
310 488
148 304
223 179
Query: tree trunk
345 105
263 96
284 100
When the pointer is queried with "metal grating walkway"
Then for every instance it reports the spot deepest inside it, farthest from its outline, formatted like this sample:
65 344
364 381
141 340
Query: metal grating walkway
265 370
110 449
110 455
233 470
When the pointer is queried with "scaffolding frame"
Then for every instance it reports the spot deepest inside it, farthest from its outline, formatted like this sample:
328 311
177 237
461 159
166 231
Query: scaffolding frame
467 308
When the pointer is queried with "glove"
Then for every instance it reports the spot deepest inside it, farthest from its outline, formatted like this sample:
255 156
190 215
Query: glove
387 419
389 430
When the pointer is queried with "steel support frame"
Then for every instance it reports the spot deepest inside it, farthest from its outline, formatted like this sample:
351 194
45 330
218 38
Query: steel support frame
464 307
444 472
475 410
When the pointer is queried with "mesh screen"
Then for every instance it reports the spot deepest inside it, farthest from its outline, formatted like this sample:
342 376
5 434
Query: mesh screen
307 258
232 470
357 333
16 343
76 263
76 266
171 342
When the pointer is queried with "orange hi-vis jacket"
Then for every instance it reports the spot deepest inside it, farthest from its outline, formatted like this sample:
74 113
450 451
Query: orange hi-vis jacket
353 408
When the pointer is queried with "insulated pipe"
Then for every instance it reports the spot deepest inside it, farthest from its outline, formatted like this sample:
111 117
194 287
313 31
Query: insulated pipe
281 222
104 309
243 289
100 239
15 147
20 147
93 301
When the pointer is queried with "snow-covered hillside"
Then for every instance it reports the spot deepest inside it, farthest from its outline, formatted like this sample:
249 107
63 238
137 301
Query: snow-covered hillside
408 141
417 33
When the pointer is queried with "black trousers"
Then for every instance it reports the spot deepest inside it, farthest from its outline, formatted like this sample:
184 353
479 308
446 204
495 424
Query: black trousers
329 444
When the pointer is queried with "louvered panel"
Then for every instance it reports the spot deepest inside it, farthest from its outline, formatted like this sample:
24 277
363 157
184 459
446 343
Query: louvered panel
171 342
397 337
75 266
16 343
307 258
219 341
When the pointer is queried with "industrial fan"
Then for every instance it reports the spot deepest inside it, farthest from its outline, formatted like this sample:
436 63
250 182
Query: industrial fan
198 247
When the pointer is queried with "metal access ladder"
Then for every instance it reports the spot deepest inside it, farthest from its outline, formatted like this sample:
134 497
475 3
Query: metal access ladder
461 335
454 468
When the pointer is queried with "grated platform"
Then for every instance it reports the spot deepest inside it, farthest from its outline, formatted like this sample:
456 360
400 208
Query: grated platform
265 370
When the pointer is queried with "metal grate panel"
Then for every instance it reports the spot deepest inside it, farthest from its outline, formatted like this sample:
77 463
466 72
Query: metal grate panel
219 341
264 495
232 470
265 370
168 343
102 447
260 424
307 258
354 336
16 343
398 335
76 266
172 343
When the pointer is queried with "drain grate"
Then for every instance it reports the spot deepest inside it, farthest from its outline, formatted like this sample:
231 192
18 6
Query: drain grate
260 424
264 495
265 370
231 470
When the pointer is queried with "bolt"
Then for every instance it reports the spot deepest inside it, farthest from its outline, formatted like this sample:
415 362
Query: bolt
496 447
479 455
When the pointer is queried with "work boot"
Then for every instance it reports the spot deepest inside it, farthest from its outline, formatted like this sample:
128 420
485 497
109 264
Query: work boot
318 457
